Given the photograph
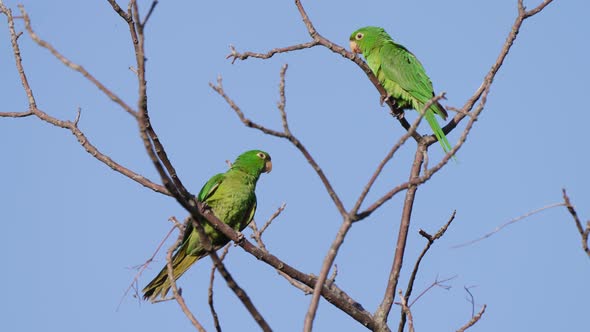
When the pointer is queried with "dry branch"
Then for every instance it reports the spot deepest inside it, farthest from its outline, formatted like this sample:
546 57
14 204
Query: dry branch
584 232
175 291
508 223
173 186
414 274
72 126
210 291
473 320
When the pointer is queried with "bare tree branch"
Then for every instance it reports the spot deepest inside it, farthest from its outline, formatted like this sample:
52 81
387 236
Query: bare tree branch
272 218
76 67
385 307
584 232
416 179
231 283
150 12
508 223
235 55
471 299
318 39
473 320
324 271
72 126
144 266
484 88
167 172
257 236
210 291
410 287
284 134
435 283
175 291
345 227
388 157
16 114
406 311
332 293
172 185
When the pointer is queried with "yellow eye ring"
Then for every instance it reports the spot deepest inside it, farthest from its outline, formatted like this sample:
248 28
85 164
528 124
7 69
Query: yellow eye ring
359 36
261 155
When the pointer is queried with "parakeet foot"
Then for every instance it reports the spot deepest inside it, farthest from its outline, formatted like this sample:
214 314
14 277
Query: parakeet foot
205 208
383 100
240 238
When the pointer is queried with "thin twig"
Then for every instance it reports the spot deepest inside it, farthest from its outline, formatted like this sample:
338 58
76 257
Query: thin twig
283 100
412 279
584 232
324 271
143 267
284 134
175 291
332 294
72 126
388 157
230 281
257 236
484 88
272 218
435 283
471 299
150 12
210 291
508 223
473 320
235 55
406 311
16 114
76 67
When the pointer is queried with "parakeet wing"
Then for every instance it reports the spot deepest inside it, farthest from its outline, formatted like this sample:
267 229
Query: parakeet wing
402 67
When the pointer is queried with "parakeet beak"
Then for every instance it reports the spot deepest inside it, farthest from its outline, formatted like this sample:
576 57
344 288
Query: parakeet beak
354 47
268 166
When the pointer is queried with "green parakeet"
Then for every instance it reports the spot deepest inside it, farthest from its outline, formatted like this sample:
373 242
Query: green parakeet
232 199
401 75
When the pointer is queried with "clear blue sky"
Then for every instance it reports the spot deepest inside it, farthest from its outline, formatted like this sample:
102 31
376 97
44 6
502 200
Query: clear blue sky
72 229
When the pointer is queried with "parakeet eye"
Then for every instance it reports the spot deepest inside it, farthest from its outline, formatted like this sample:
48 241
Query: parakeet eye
261 155
359 36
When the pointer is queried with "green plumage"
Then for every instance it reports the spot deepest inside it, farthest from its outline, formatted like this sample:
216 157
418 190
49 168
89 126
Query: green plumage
231 197
401 75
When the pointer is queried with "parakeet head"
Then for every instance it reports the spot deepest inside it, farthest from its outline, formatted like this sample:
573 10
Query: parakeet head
363 39
253 162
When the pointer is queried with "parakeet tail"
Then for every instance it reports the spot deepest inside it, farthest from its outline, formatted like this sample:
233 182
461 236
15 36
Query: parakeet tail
442 139
160 286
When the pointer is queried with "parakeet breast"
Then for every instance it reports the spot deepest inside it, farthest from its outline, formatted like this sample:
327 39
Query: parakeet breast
234 200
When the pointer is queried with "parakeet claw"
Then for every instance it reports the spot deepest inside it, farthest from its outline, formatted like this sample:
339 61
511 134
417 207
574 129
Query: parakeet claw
383 100
205 208
240 239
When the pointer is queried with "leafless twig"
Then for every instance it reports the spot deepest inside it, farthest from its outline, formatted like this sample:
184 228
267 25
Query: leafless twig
76 67
584 232
72 126
410 287
175 291
257 236
508 223
286 133
436 283
473 320
144 266
210 291
471 299
385 307
406 311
